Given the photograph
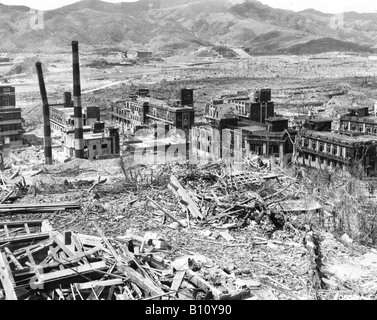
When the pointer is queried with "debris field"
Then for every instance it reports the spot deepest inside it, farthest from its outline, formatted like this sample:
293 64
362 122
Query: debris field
108 230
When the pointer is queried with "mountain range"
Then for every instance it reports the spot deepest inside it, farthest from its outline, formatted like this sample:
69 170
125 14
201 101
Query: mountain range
186 25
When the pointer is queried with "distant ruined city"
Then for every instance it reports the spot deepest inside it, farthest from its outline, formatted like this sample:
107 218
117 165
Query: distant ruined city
200 150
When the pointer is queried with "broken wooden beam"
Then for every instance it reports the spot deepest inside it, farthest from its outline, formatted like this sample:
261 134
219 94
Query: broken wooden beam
6 279
71 272
7 196
170 215
25 238
93 284
177 188
36 208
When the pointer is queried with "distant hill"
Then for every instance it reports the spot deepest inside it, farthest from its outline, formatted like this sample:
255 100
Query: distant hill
325 45
184 25
315 12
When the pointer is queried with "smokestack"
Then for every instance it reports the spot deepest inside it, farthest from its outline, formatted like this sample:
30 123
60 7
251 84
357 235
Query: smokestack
79 136
67 99
46 115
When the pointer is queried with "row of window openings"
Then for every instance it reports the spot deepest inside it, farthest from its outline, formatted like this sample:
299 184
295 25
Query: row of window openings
103 146
272 149
368 129
321 160
241 109
328 149
6 102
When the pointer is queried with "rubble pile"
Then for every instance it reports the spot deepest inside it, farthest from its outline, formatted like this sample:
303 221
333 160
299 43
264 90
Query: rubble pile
47 265
203 232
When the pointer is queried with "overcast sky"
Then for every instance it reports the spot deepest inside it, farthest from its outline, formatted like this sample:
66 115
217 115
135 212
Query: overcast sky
330 6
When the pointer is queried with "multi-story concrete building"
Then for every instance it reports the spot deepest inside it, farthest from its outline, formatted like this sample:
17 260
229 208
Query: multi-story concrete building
11 130
230 129
327 149
99 142
141 111
256 107
272 139
207 138
62 115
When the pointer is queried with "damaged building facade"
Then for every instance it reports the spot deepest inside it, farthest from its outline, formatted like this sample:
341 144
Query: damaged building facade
156 128
140 111
358 120
100 141
11 130
246 125
62 115
326 149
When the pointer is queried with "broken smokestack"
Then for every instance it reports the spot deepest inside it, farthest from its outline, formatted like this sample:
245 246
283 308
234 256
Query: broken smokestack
46 116
79 136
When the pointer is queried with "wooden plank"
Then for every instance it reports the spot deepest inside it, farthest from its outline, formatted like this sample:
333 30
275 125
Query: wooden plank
177 281
25 238
170 215
13 259
62 246
21 253
30 210
7 279
111 293
192 206
27 228
7 196
93 284
91 241
41 205
57 275
79 247
227 236
31 223
78 256
144 283
15 174
6 230
10 232
32 262
108 245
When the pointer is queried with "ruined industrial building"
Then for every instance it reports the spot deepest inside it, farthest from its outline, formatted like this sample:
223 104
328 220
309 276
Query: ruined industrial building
187 162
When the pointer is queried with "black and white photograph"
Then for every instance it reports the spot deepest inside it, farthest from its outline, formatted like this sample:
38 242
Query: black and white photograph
189 154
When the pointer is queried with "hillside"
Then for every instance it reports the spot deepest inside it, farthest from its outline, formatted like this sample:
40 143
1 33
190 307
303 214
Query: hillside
325 45
176 25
